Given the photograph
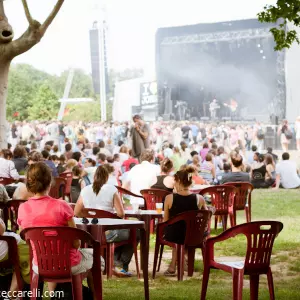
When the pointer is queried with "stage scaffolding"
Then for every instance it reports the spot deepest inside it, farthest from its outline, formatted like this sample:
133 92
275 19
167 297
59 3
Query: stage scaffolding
259 34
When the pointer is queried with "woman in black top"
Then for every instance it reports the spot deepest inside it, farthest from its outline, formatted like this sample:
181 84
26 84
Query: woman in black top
164 180
259 174
181 201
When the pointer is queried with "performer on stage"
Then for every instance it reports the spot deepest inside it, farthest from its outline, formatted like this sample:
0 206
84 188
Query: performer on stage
181 107
233 106
213 107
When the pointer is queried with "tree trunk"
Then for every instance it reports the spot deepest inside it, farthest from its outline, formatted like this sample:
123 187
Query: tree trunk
4 69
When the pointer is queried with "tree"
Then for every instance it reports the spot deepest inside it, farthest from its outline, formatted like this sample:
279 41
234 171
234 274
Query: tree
10 48
283 12
44 106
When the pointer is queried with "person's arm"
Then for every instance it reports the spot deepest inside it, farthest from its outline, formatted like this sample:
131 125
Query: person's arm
268 173
79 207
2 227
13 173
277 181
76 243
213 172
167 206
201 203
143 134
118 205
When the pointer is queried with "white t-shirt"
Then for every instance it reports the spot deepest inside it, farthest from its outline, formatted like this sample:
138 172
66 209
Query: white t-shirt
104 199
91 173
141 177
287 170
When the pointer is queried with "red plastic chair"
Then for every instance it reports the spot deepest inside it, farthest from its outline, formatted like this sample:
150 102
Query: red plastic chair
222 198
6 181
13 259
4 213
58 188
242 200
52 246
123 192
153 196
196 224
257 261
110 247
13 208
68 176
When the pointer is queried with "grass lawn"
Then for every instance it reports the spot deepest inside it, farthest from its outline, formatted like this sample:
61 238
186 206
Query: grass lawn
280 205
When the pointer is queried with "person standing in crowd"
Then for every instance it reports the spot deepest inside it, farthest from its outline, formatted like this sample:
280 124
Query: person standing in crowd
62 135
285 134
259 136
297 129
140 134
287 174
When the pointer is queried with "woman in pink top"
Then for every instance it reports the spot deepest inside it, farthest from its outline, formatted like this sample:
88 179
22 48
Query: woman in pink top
42 210
204 151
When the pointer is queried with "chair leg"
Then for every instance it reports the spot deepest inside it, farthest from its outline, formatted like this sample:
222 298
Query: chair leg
34 286
77 287
180 262
191 261
247 213
205 279
254 283
160 256
152 227
271 284
216 222
224 222
231 218
237 284
156 252
110 259
136 257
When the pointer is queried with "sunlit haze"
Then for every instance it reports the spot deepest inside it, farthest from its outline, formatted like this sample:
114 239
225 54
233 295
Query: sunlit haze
132 25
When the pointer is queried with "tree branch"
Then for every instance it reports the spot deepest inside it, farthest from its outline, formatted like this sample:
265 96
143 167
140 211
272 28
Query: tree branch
51 17
27 13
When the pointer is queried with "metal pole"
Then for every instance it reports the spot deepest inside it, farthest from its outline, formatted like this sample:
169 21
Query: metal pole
101 32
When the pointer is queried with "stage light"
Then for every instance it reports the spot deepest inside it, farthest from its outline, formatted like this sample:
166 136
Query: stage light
264 57
261 51
258 45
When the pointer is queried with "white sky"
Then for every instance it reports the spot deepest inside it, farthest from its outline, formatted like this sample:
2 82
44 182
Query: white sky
132 26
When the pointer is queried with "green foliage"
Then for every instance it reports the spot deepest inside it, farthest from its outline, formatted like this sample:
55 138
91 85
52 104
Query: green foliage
284 12
89 111
44 105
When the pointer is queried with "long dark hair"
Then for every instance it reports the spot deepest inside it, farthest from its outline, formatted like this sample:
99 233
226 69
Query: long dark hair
100 178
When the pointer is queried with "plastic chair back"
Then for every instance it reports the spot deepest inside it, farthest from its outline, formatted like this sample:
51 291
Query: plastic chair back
222 197
242 195
52 246
57 188
153 196
123 191
98 214
6 181
68 176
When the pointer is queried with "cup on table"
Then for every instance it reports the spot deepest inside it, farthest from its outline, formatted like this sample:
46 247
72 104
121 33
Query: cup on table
159 207
135 207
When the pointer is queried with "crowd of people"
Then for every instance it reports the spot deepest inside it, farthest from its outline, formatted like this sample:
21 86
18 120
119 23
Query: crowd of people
169 156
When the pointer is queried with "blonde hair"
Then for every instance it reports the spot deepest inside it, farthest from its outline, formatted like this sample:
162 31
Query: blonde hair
71 163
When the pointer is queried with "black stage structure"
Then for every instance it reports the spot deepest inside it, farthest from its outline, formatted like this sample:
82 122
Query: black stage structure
227 61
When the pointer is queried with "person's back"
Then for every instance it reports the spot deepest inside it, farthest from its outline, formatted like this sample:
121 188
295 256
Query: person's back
235 177
160 183
183 203
287 170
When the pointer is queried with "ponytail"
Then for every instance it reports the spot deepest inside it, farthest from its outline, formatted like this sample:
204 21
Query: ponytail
100 178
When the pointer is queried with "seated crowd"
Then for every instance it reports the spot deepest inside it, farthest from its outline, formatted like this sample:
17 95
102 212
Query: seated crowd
97 169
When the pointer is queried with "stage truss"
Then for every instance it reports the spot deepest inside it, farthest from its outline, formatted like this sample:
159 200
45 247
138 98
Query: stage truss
235 36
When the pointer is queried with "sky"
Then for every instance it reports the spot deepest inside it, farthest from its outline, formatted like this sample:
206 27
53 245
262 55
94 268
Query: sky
132 25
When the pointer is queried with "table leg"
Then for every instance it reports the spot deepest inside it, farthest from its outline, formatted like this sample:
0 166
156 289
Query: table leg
147 221
145 257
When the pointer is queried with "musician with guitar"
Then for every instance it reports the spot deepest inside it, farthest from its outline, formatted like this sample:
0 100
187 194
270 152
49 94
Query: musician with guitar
233 106
213 107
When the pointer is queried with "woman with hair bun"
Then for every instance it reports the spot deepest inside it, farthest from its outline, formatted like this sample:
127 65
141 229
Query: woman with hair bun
181 201
104 196
164 180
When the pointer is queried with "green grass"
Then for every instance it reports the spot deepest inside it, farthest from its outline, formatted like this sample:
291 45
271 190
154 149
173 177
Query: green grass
280 205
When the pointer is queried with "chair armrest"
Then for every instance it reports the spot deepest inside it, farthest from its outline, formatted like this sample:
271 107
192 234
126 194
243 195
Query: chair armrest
12 246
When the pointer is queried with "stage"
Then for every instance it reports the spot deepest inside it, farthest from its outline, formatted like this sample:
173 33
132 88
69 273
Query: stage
228 61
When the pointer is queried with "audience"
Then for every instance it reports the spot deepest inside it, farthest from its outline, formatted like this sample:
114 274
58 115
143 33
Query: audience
165 181
49 163
20 159
7 166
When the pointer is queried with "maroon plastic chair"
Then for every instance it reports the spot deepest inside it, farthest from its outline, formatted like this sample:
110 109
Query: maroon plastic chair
52 246
260 242
13 209
222 197
242 200
123 192
153 196
58 188
4 213
6 181
13 259
196 225
68 176
109 248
